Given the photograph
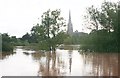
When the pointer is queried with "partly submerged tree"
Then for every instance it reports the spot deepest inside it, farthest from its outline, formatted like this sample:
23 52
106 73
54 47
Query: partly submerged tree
50 32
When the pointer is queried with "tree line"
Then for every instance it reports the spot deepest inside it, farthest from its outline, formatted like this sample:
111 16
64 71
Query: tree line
103 22
47 35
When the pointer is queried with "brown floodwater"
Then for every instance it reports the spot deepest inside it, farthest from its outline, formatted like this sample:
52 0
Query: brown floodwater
60 63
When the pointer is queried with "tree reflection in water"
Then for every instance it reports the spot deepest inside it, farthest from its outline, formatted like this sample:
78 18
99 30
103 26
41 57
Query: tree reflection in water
62 63
70 59
0 55
49 64
5 55
102 64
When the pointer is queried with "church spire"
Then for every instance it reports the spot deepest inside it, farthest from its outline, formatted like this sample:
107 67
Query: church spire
70 27
69 16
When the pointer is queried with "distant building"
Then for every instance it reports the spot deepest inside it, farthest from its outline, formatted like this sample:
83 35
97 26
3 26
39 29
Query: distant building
79 34
70 26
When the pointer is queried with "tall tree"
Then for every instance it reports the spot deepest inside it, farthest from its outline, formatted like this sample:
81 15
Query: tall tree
104 17
93 15
106 20
50 30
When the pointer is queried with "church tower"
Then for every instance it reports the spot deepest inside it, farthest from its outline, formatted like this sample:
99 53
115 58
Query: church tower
70 26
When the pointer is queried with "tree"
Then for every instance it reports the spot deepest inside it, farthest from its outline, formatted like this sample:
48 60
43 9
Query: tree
106 20
93 14
26 37
50 30
6 43
38 33
105 17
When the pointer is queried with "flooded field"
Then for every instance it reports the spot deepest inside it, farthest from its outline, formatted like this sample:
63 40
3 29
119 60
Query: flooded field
60 63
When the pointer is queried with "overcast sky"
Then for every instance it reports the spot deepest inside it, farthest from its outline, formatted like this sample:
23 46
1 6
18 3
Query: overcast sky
18 16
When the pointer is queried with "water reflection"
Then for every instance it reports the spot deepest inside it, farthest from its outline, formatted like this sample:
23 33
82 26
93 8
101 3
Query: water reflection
5 55
0 55
70 59
37 55
59 63
51 65
102 64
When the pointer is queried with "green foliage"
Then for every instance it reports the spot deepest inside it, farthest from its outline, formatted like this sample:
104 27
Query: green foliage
76 39
68 40
49 33
105 17
44 45
6 47
6 43
104 38
9 42
100 41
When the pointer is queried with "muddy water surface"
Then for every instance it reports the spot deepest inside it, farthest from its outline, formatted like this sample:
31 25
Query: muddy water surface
59 63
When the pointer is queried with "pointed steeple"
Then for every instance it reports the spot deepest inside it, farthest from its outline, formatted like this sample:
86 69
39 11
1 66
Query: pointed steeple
70 26
69 16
